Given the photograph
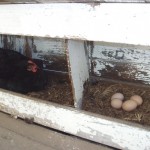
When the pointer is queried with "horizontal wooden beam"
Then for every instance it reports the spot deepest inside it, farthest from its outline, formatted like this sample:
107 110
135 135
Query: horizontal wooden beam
108 131
71 1
101 22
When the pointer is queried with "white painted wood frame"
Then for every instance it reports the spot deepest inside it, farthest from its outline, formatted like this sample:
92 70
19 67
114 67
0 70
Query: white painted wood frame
90 126
115 23
70 1
78 67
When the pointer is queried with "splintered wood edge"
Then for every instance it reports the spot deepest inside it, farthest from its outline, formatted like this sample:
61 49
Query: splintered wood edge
105 130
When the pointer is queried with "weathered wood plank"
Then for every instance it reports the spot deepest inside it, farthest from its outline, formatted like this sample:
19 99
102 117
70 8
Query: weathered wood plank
121 62
70 1
101 22
96 128
131 72
51 51
78 69
36 44
122 53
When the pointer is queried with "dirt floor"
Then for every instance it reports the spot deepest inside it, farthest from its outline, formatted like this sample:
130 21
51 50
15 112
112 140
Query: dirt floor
97 99
58 90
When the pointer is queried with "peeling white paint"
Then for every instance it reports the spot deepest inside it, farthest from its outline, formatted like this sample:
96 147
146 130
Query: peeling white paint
50 46
98 68
125 61
87 125
47 49
104 22
78 69
101 66
42 46
135 71
122 54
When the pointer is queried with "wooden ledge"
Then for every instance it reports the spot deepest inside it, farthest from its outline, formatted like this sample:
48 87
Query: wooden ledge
90 126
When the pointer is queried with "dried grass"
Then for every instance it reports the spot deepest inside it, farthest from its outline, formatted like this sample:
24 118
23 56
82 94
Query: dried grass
58 91
97 99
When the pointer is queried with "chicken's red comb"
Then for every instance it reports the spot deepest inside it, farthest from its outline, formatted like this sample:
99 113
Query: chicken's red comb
33 67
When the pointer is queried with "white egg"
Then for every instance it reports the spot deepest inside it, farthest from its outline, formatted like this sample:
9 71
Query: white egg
117 96
116 103
129 105
137 98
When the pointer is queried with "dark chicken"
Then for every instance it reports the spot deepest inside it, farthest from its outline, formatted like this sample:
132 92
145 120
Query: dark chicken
19 73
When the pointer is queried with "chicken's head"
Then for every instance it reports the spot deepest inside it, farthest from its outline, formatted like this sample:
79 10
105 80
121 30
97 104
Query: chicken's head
32 66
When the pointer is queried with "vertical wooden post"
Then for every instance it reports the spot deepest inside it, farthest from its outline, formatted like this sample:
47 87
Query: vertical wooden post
78 68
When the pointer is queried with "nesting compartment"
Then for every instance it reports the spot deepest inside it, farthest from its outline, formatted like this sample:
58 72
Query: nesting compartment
82 66
118 68
80 76
52 53
111 68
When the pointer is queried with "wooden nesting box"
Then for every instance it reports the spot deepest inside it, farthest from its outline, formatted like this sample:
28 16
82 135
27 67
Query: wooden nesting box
98 40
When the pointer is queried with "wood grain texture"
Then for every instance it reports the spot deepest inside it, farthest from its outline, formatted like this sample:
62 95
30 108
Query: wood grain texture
131 72
90 126
51 51
37 134
122 53
125 63
78 69
100 22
